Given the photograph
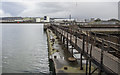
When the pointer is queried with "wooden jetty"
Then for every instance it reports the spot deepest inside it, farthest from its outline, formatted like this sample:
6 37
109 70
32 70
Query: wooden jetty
98 53
62 61
104 61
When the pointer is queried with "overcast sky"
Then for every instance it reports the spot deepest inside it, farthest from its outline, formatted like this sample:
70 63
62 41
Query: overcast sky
78 10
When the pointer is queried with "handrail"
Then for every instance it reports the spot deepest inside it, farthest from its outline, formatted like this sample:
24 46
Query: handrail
107 42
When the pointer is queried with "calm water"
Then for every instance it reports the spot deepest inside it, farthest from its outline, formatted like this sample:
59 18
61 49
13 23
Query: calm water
24 49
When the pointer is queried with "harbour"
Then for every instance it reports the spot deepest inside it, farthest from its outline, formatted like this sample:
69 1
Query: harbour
69 51
87 44
60 38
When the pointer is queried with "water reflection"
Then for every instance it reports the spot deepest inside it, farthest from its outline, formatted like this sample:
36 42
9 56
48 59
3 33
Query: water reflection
24 49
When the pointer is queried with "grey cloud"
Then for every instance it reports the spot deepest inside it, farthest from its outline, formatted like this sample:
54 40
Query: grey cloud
13 8
79 10
50 7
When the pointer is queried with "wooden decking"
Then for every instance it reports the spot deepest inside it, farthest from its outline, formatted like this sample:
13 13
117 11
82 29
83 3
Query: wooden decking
104 60
60 56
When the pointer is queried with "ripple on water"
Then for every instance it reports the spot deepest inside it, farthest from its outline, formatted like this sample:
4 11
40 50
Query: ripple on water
5 57
24 48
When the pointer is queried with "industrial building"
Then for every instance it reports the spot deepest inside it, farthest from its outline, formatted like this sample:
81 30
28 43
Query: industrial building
11 19
62 20
46 19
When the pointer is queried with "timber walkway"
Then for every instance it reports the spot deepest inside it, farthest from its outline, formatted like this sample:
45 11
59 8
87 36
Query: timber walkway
86 45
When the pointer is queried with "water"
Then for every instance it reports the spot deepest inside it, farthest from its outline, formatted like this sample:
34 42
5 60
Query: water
24 49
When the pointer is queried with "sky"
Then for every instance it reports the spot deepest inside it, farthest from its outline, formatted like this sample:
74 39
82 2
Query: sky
79 9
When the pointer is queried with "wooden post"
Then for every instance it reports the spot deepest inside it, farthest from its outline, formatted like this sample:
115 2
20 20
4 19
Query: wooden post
95 39
75 38
101 61
70 35
108 49
87 54
90 56
63 38
71 40
61 35
72 50
90 60
83 46
67 40
81 68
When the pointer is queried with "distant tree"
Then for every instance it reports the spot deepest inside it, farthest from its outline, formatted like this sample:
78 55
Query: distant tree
97 20
113 20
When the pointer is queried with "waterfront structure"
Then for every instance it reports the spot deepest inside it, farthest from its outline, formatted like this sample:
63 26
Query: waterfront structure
76 42
82 23
105 22
11 19
46 19
98 21
90 20
38 20
18 20
62 20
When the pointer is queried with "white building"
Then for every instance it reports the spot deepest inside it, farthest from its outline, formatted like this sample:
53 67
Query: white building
46 19
38 20
62 20
18 20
